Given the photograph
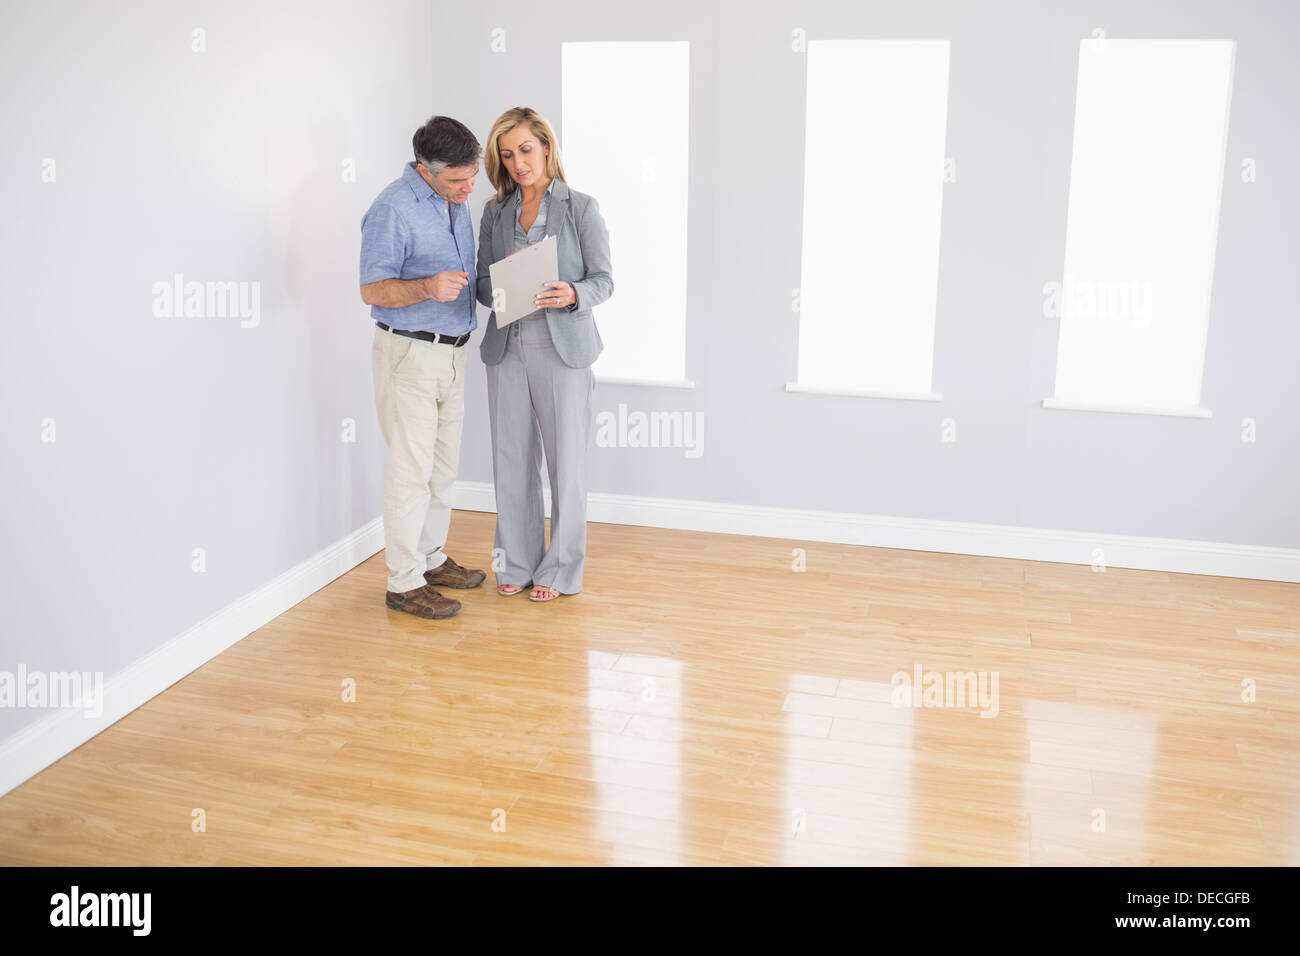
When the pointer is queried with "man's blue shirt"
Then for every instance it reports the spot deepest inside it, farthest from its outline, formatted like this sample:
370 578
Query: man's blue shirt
410 232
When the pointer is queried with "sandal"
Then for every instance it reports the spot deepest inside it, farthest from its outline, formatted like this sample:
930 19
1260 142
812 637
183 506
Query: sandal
508 589
542 593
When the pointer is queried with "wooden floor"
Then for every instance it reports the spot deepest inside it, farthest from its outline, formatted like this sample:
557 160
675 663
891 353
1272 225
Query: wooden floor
701 702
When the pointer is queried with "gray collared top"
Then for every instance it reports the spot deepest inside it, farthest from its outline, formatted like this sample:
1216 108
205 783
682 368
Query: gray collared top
536 232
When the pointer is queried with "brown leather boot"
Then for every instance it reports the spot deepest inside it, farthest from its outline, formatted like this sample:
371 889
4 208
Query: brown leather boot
451 575
422 602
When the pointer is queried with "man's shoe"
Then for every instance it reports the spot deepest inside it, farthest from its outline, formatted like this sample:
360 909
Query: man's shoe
422 602
449 574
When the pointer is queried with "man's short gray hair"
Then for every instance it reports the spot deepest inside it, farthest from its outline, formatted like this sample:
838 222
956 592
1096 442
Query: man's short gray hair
444 142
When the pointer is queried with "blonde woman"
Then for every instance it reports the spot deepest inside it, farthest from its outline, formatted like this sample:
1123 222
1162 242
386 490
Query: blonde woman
540 383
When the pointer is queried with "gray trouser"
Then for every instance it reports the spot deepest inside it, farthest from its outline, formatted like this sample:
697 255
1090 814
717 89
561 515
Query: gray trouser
537 403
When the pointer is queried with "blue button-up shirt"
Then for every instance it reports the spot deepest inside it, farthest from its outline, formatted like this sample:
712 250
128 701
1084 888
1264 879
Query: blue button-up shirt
410 232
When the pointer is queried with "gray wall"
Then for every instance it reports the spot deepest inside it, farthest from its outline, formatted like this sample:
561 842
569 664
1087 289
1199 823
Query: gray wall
1010 124
174 434
179 433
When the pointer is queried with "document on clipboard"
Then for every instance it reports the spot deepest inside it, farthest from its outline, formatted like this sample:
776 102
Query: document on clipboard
518 277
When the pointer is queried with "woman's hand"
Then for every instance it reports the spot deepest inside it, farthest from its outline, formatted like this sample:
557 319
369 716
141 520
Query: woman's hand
558 295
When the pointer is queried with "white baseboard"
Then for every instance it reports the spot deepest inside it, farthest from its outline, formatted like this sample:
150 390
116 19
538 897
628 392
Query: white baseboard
922 534
36 746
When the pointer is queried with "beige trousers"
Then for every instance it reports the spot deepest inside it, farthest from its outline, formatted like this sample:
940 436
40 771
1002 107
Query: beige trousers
420 396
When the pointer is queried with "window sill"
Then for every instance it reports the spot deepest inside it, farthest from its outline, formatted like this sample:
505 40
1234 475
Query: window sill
651 382
905 396
1127 409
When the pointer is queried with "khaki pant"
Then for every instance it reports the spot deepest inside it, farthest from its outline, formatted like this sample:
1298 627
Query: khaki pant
420 396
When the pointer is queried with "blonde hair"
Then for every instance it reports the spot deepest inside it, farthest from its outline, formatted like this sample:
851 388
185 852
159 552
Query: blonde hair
503 181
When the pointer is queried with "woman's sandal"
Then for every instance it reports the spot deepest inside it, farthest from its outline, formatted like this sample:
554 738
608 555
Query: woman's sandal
508 589
547 594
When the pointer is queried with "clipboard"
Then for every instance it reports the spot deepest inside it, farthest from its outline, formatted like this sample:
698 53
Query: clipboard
518 277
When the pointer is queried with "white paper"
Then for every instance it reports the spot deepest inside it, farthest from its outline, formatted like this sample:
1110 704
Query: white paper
518 277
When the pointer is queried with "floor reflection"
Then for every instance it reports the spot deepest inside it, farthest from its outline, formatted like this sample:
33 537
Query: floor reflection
1118 749
848 773
634 705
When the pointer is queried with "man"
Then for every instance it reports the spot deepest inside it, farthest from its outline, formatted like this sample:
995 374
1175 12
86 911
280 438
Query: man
418 277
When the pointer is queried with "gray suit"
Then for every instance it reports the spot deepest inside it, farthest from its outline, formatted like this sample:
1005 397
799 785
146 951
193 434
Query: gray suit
584 264
540 390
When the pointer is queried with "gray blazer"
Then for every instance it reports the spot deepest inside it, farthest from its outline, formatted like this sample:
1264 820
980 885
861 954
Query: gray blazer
584 263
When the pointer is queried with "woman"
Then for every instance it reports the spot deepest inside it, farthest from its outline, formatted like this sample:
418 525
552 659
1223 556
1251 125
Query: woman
540 383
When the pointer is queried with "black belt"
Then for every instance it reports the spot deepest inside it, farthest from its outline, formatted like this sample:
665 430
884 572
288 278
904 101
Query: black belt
454 340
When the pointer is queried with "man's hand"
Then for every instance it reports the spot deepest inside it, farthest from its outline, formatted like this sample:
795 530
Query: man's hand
399 293
446 286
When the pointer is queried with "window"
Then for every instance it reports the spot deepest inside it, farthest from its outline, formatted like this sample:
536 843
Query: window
1150 131
625 129
873 193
